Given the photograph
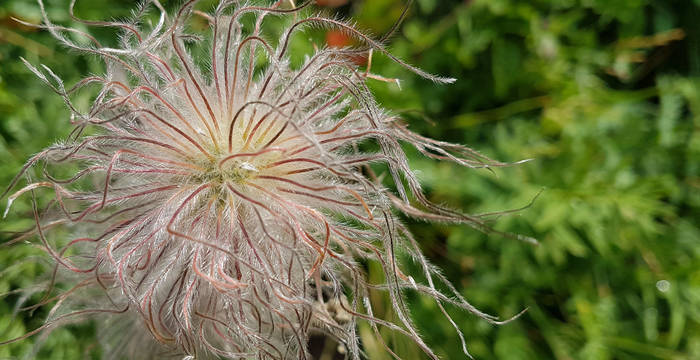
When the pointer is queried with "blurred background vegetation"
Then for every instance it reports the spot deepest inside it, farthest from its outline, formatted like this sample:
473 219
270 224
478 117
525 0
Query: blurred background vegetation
603 95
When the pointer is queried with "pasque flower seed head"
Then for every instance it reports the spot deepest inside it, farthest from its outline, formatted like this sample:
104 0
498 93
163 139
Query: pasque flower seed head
228 210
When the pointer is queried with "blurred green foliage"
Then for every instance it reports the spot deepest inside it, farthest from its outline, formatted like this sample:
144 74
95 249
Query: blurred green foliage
603 96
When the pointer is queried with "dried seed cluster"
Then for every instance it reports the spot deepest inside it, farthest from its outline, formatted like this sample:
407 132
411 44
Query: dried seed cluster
228 210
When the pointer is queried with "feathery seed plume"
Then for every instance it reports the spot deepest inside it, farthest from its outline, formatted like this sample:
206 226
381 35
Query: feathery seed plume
227 210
